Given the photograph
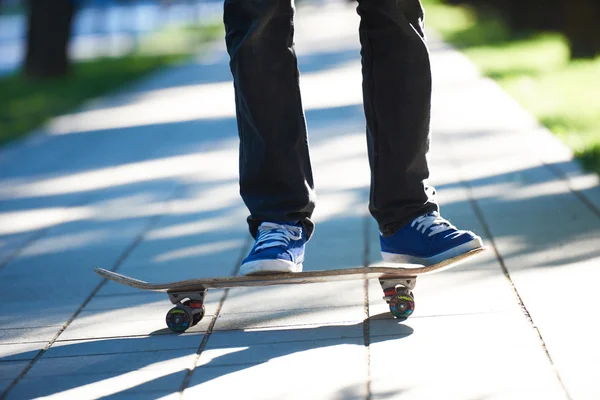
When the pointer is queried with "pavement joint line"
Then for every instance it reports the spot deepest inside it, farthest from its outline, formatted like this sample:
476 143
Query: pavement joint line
152 221
18 343
467 314
367 322
40 233
100 310
34 237
30 327
247 363
261 327
94 338
324 307
136 293
13 360
480 216
115 353
188 376
578 193
270 343
84 199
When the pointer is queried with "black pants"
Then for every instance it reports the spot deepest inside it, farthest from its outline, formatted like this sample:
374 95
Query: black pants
276 180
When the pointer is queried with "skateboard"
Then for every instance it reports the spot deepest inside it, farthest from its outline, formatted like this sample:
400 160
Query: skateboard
188 296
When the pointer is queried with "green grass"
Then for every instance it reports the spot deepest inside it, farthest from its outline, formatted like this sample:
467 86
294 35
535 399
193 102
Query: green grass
534 68
11 9
27 104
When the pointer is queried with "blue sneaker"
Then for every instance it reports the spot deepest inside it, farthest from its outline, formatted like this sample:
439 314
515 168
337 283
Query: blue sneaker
427 240
279 247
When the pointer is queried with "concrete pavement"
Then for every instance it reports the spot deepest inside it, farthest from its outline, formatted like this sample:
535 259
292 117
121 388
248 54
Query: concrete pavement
145 182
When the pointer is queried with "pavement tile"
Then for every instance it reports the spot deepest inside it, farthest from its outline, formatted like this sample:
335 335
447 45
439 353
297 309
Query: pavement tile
132 321
586 183
204 245
9 370
290 318
454 292
4 384
11 244
468 344
293 297
337 244
20 352
123 345
75 260
178 248
114 363
340 373
136 298
525 240
35 313
280 335
41 334
149 394
233 353
92 237
131 385
556 287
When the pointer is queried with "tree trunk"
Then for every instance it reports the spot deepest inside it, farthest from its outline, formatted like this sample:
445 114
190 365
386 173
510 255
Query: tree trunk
535 14
581 28
49 31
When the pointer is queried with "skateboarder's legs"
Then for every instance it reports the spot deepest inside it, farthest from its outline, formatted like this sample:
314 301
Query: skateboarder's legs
276 180
397 100
275 173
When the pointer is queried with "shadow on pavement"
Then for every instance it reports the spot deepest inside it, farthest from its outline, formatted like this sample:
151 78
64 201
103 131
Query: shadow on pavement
125 365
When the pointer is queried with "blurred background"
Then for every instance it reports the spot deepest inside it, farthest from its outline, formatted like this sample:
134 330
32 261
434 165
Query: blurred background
39 31
55 54
544 53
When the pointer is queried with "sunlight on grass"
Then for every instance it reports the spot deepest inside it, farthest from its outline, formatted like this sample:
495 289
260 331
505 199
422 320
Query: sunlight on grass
533 56
535 70
29 103
179 39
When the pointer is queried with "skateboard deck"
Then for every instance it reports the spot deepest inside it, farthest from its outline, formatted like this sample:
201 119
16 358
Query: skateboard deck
378 270
397 283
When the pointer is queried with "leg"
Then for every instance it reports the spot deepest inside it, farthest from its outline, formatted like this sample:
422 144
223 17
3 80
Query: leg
397 99
276 181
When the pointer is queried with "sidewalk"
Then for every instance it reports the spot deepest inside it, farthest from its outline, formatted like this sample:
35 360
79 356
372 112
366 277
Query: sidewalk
145 182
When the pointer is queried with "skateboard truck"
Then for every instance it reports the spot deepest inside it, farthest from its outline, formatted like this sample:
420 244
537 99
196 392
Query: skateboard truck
398 294
188 311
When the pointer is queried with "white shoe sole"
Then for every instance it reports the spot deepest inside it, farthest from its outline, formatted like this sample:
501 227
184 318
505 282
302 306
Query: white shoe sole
266 267
446 255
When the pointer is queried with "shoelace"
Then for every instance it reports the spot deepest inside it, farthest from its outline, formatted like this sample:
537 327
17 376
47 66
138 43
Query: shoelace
432 221
276 235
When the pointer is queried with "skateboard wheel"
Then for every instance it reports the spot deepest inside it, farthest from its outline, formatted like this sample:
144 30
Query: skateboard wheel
179 319
402 305
198 314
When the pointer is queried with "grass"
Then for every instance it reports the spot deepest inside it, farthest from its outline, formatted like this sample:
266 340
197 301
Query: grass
535 69
27 104
11 9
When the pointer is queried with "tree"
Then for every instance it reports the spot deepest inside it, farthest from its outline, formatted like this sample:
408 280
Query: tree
576 19
581 27
48 36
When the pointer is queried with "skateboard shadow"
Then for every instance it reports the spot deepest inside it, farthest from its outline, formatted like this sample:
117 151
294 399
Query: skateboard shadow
159 364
